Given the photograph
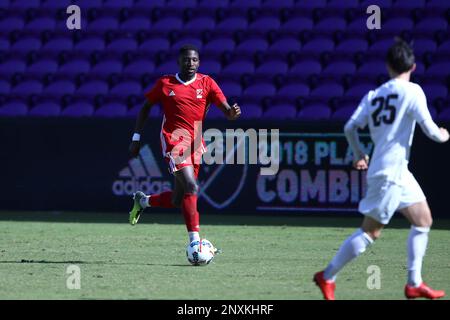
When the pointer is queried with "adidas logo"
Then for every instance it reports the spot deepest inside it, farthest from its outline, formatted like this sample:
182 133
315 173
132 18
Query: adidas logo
171 94
142 173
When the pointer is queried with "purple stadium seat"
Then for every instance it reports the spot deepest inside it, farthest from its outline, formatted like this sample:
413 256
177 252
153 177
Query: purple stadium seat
351 46
383 4
219 45
58 44
126 88
92 88
116 4
231 24
435 90
155 44
103 24
260 90
107 67
246 4
122 45
42 67
318 45
272 67
431 25
306 68
330 25
440 69
56 4
444 48
409 4
168 67
90 44
264 25
437 4
74 67
214 113
213 4
285 45
424 45
78 109
27 44
314 112
210 67
41 24
9 67
27 88
339 68
155 111
444 115
45 109
113 109
327 90
231 89
250 46
238 68
357 26
135 24
59 88
396 25
181 4
372 68
283 111
339 4
139 67
279 4
358 91
5 87
381 46
296 25
188 40
200 24
164 25
251 111
146 5
88 4
13 109
311 4
290 92
24 4
4 45
343 114
12 23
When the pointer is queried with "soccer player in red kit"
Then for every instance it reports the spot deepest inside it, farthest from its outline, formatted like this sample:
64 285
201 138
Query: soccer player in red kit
185 99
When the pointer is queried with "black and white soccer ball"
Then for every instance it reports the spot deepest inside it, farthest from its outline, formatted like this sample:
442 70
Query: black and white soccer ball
200 253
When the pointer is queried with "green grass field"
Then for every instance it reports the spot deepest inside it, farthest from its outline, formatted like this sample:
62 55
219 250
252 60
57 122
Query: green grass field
264 257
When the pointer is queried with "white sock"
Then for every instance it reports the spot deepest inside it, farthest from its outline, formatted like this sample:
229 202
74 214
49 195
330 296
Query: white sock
352 247
145 202
417 245
193 236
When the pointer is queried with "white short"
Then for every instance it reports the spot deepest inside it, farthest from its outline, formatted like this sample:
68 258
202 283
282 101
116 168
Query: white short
384 197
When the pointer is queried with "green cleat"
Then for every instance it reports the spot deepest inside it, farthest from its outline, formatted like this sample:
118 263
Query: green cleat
135 213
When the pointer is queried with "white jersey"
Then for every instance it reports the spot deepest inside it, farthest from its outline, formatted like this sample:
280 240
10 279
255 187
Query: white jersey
391 111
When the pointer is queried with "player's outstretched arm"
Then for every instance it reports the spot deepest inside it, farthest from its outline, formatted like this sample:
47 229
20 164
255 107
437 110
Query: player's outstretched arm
140 122
231 112
360 159
433 132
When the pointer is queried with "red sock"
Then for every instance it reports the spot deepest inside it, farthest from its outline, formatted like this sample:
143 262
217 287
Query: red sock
190 213
163 200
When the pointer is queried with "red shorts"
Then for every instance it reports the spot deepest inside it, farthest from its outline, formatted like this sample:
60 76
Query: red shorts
174 167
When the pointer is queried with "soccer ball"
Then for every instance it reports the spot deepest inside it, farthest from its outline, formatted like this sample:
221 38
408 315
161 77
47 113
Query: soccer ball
200 253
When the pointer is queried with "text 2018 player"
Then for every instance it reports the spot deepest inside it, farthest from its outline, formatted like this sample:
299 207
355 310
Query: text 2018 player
391 111
185 98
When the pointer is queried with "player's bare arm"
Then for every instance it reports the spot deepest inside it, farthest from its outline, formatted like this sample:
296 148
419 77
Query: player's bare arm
135 145
360 159
231 112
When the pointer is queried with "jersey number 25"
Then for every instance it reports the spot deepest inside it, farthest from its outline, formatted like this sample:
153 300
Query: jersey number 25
384 104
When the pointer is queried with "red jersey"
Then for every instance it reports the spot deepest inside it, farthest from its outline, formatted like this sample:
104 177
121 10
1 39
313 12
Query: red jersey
183 103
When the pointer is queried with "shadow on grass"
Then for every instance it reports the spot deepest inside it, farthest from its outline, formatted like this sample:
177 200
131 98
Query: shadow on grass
25 261
336 220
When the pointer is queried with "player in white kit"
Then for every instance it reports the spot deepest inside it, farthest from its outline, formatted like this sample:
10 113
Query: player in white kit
391 112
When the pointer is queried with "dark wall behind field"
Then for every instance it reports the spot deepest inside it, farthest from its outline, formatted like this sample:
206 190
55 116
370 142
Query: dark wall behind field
83 164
